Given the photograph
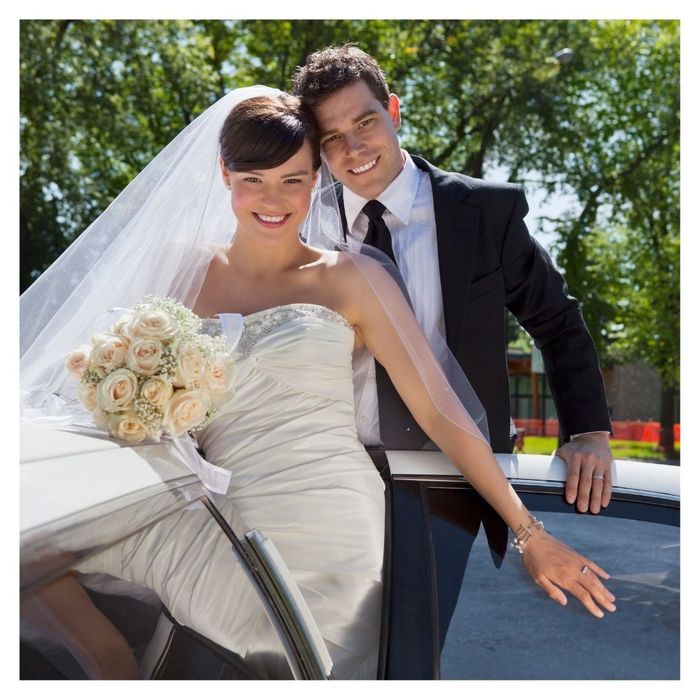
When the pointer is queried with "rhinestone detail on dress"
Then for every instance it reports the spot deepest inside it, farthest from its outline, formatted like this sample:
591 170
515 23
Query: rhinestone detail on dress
260 323
211 326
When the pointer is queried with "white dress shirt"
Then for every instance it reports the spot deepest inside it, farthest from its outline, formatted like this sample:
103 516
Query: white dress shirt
410 217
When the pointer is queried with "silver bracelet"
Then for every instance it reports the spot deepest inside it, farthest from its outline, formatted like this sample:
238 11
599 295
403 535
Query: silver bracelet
525 533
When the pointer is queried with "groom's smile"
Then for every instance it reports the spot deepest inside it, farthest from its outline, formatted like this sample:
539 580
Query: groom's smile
365 168
359 139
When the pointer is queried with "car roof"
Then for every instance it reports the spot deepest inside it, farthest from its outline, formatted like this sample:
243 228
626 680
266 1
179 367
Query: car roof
65 473
662 479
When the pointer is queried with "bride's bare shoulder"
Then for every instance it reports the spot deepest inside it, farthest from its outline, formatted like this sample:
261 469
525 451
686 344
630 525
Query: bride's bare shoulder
336 270
217 266
354 282
218 255
359 272
347 265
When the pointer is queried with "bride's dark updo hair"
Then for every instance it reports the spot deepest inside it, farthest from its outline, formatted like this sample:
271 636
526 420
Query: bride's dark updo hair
264 132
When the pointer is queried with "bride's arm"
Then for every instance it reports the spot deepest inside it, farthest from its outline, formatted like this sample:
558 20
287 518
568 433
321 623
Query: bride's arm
385 323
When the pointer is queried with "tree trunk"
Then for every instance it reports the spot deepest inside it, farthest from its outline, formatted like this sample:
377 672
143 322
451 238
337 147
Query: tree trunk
25 253
668 401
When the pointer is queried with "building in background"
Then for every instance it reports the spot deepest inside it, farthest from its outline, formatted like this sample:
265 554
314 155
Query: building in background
633 391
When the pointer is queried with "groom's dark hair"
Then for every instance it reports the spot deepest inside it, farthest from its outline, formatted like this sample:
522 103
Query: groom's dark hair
336 67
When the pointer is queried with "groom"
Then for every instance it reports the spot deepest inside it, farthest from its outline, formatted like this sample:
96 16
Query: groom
465 255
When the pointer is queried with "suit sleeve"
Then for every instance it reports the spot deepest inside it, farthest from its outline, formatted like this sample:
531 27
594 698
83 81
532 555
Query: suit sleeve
537 294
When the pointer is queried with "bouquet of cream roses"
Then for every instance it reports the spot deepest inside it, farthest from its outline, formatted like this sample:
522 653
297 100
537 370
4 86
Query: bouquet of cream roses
153 372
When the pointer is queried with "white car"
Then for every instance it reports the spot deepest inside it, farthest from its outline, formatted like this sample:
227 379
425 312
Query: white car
448 612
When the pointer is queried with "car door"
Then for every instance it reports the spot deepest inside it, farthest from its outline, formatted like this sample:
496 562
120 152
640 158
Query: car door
82 498
459 604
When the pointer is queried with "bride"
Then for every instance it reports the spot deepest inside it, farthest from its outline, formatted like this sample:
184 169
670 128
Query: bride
288 439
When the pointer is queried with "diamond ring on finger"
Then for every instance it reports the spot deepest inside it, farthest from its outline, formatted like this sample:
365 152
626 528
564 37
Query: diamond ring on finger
584 569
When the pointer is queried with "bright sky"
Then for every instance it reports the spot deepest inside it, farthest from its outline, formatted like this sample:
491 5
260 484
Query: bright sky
554 206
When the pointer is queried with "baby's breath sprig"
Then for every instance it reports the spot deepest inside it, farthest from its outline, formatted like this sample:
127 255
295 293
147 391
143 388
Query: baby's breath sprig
91 376
149 414
211 412
168 363
188 321
212 346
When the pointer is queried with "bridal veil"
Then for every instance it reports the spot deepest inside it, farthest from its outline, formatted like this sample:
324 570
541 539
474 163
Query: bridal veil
158 237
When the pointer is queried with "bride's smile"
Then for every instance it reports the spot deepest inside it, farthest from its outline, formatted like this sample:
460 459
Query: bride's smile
271 220
269 201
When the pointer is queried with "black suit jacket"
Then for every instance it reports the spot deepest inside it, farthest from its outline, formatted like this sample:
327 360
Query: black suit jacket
489 261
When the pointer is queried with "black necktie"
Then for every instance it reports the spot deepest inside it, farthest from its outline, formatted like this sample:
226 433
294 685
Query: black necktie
396 425
378 234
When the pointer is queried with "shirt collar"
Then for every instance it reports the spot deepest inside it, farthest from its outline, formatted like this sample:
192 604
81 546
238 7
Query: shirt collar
398 197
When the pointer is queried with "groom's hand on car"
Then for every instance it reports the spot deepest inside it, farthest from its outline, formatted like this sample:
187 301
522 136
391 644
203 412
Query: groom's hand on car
588 458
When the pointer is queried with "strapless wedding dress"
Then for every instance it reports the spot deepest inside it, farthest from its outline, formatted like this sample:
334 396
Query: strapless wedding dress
298 474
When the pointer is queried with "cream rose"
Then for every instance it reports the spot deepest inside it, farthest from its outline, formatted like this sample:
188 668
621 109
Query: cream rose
154 323
127 427
77 361
101 420
144 355
116 390
121 327
157 391
220 374
185 410
87 394
108 352
190 364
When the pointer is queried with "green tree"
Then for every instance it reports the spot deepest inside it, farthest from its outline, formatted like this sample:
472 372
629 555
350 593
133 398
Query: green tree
97 101
623 145
100 98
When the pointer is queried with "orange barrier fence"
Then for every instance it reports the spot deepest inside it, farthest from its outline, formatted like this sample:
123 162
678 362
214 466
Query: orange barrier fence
642 431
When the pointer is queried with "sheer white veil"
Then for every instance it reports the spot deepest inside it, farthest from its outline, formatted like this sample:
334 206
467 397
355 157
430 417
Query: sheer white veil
448 387
158 237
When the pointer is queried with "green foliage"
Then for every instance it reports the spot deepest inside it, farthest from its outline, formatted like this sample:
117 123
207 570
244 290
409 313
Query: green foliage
97 101
637 283
100 98
621 449
618 141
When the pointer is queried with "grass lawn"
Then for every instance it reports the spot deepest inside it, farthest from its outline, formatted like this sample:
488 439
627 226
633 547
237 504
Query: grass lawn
621 449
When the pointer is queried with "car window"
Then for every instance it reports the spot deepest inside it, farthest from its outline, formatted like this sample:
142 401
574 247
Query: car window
174 590
505 627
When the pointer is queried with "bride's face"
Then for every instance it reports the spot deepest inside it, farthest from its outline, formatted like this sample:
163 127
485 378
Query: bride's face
271 204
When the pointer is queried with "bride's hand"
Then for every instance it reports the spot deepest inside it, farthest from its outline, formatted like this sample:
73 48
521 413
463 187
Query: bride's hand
554 566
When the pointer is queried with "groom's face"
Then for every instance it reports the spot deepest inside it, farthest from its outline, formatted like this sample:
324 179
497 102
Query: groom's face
359 139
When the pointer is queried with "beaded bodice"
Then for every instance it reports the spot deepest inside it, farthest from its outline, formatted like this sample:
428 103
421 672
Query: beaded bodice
260 323
291 362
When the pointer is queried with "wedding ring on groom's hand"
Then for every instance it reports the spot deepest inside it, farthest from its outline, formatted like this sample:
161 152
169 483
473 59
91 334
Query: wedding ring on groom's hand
598 476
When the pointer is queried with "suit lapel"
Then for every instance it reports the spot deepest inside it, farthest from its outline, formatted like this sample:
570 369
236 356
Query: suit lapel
457 226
